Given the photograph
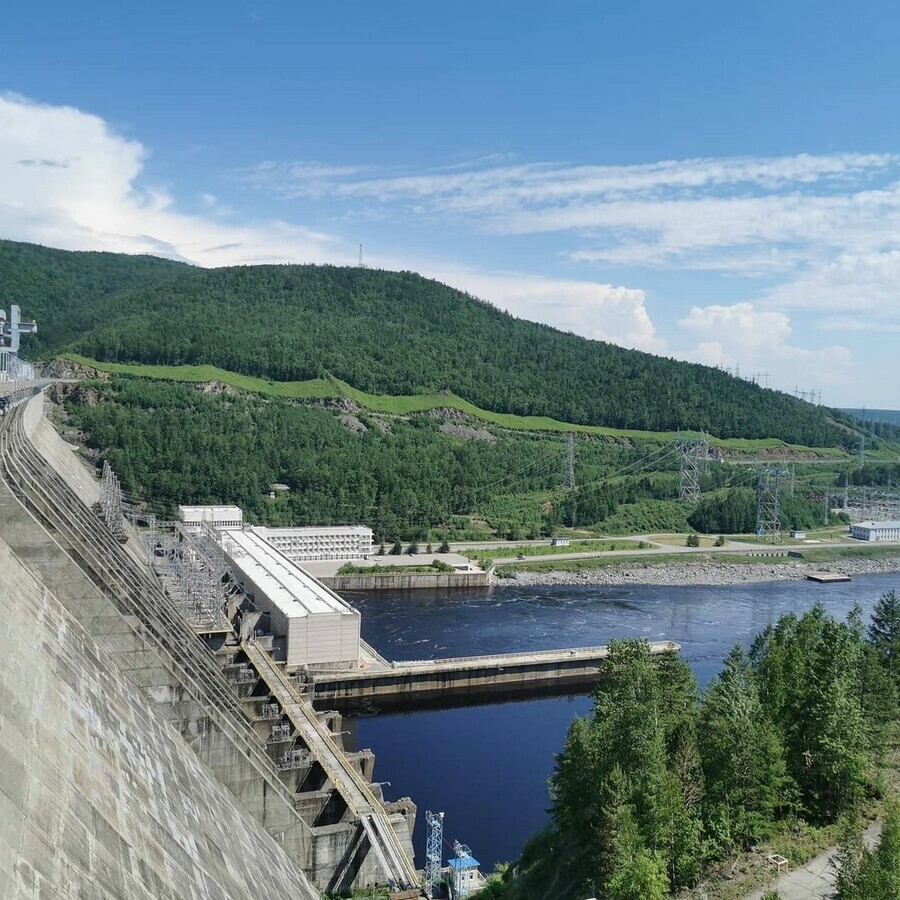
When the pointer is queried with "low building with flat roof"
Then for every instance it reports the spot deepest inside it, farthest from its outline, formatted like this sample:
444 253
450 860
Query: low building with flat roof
318 542
216 516
876 531
319 627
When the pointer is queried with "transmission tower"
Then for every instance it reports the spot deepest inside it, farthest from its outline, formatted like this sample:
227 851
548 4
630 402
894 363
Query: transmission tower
111 502
694 456
433 848
200 576
569 482
768 498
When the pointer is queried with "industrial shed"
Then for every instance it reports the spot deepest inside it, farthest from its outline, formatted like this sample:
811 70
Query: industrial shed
195 517
319 628
876 531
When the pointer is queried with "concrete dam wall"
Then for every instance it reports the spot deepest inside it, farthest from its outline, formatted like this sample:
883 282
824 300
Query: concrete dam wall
97 630
99 796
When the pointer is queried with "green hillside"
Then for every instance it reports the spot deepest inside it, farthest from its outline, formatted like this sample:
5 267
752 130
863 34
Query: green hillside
385 333
870 416
330 388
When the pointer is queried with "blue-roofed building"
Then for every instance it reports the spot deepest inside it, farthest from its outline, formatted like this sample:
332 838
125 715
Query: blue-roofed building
465 877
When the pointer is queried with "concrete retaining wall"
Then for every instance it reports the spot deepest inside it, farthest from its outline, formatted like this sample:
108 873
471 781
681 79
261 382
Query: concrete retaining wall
407 582
99 797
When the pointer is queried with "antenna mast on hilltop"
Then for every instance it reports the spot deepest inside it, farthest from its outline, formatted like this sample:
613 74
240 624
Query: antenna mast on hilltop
362 265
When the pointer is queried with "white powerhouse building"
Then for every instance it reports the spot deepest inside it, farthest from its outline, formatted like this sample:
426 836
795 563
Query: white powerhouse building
876 531
318 626
320 542
217 516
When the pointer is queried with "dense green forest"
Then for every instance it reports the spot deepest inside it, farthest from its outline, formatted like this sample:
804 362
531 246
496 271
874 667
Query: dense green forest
661 781
413 477
424 476
384 332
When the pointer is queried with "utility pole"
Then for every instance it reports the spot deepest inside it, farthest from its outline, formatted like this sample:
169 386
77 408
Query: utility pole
827 509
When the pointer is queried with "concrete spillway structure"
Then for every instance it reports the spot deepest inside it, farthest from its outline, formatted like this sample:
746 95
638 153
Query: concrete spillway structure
495 676
269 803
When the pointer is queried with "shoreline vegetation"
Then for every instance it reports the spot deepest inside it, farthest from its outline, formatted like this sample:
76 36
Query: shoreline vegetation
666 789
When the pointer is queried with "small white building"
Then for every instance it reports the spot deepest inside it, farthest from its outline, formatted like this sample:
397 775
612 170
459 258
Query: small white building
876 531
320 542
560 542
319 627
219 517
797 533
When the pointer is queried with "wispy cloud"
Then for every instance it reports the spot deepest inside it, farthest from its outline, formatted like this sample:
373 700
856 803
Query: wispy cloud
695 213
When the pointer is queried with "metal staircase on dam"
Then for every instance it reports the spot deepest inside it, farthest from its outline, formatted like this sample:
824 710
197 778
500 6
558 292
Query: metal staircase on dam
123 579
352 786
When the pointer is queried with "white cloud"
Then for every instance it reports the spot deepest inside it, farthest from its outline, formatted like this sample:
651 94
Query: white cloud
758 341
68 180
598 311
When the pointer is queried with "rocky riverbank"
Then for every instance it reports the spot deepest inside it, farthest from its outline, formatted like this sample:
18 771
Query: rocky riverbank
706 572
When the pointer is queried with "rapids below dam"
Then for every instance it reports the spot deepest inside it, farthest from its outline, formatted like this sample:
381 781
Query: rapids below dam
487 766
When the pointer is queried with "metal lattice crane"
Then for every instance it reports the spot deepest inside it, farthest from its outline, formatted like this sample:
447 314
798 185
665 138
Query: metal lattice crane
433 848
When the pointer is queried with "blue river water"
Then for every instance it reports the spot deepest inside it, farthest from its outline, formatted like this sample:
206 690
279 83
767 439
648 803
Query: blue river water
487 766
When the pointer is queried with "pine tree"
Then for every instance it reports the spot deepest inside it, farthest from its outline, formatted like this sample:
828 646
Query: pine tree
743 758
884 632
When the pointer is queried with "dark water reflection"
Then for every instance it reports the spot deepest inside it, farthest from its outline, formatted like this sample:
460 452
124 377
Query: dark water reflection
487 766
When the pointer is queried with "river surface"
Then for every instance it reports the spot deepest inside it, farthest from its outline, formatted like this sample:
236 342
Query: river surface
487 766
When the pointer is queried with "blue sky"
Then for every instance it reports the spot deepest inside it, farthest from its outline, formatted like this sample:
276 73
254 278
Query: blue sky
709 181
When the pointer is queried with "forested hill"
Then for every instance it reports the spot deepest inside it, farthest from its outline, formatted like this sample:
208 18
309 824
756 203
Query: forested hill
384 332
63 290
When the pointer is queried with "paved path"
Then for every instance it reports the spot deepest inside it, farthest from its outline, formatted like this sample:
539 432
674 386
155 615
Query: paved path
815 880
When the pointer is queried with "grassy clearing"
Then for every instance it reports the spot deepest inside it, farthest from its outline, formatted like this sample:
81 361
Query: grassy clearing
315 389
330 388
487 557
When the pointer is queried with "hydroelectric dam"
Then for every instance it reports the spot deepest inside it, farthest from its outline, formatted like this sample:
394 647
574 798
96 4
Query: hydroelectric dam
144 757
